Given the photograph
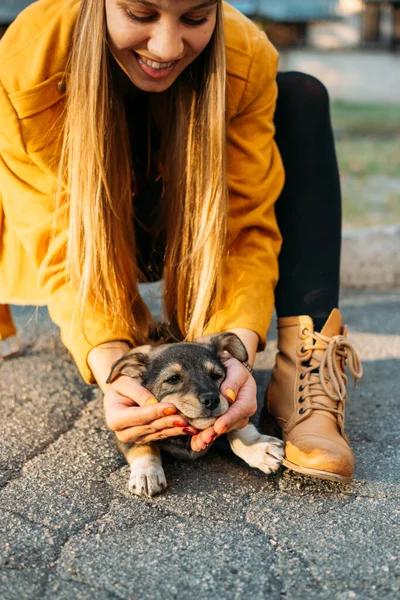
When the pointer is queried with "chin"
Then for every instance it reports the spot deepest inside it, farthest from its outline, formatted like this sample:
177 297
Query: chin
150 86
202 422
156 89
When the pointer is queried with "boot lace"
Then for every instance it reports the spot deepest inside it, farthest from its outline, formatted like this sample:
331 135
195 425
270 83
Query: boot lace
332 379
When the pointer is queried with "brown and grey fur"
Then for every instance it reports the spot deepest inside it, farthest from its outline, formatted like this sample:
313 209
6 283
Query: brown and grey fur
189 375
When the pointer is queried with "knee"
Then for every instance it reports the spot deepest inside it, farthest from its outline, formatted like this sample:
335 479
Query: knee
302 92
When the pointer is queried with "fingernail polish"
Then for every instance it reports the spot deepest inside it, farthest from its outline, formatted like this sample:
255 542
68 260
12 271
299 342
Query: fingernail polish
151 401
170 410
231 394
179 424
222 430
190 431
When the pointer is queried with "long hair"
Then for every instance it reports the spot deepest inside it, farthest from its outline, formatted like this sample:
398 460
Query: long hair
96 178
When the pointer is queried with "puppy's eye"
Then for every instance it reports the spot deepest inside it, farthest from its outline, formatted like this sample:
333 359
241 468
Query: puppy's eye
216 376
173 379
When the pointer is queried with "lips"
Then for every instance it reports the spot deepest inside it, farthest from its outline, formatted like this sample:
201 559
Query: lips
154 69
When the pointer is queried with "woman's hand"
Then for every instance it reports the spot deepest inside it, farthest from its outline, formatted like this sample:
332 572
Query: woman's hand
239 387
136 416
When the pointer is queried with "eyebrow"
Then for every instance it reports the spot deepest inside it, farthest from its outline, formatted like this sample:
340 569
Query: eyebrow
206 4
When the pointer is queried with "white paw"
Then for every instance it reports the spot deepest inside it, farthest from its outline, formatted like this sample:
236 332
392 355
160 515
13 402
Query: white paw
266 454
147 478
260 451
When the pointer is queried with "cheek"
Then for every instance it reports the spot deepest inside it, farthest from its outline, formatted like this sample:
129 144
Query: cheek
166 394
157 391
123 40
200 39
120 34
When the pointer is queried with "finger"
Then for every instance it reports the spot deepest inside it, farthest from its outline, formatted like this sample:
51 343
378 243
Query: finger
176 422
133 389
130 435
230 395
203 439
244 407
235 415
240 425
151 401
162 435
120 415
236 377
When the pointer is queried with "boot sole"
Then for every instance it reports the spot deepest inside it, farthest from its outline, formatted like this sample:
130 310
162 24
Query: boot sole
316 472
9 347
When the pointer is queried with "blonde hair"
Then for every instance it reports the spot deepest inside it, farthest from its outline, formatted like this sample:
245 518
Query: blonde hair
96 172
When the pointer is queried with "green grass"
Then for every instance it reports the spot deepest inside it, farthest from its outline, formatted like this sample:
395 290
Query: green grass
368 155
366 203
368 150
365 119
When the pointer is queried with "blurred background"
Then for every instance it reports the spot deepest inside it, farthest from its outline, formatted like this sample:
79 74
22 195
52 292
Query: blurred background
353 47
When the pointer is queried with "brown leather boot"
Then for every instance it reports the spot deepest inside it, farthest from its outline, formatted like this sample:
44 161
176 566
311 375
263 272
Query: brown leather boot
307 393
8 333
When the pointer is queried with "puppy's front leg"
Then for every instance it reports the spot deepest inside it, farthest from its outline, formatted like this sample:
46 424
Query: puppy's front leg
260 451
147 475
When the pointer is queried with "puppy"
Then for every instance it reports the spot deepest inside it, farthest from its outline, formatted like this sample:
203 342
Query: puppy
189 376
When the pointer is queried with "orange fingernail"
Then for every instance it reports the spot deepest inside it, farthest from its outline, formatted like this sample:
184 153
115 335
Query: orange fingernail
231 394
151 401
170 410
222 430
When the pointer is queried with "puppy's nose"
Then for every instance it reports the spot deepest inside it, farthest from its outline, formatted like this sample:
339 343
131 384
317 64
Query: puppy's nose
210 400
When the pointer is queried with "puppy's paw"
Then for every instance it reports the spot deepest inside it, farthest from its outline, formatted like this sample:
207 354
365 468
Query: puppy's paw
147 478
266 454
260 451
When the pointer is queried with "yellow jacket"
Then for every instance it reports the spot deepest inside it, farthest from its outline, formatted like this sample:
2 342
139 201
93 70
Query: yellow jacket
33 57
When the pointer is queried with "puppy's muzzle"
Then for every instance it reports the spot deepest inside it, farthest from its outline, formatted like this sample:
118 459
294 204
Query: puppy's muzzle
209 400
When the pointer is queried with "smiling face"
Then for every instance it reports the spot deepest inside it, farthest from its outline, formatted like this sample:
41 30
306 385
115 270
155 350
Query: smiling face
155 40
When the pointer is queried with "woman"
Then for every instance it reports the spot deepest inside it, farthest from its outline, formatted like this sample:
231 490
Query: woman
138 140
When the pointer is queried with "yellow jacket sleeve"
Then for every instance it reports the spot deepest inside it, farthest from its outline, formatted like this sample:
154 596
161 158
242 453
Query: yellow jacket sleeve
27 195
255 181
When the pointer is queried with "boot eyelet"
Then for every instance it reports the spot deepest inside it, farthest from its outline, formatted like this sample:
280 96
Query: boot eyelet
304 331
301 400
302 376
301 411
303 350
301 388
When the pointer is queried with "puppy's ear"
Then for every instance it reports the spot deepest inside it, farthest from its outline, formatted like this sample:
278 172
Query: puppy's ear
226 345
133 364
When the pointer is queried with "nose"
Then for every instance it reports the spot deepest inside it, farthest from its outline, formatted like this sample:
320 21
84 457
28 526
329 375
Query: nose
210 400
165 43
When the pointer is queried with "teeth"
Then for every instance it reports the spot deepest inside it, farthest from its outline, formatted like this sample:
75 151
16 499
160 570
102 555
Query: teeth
155 65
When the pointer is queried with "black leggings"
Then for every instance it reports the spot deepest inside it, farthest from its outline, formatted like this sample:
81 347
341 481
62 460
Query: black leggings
308 210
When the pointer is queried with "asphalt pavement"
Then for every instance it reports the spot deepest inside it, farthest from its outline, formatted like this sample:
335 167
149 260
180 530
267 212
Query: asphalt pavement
70 530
